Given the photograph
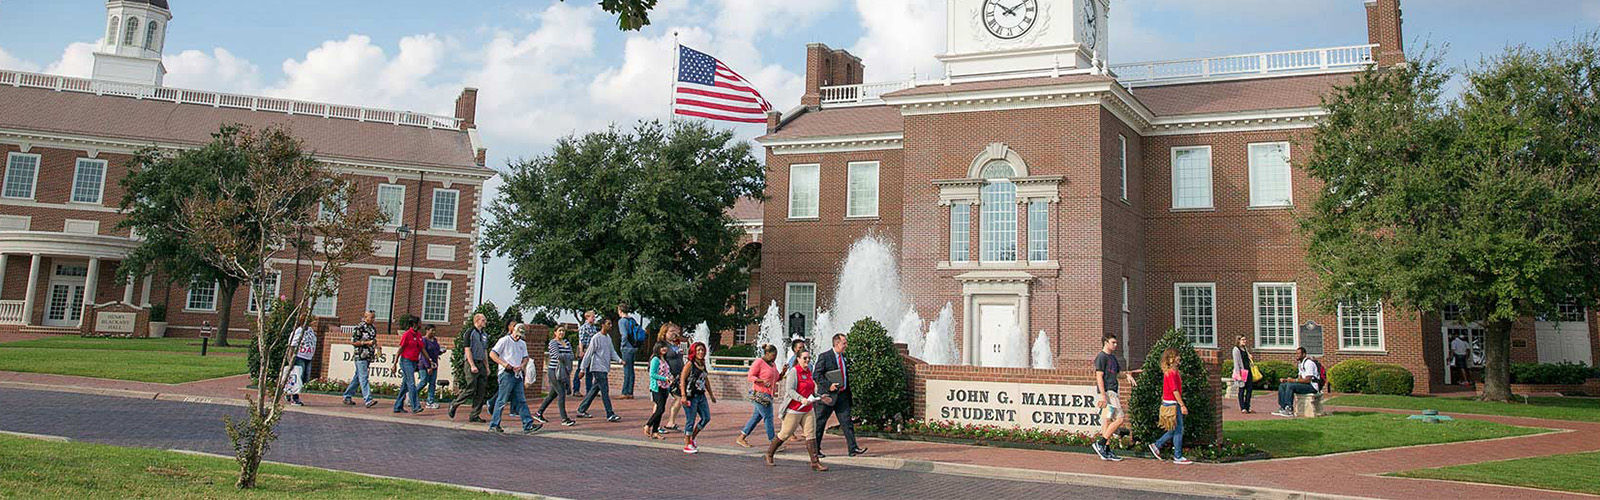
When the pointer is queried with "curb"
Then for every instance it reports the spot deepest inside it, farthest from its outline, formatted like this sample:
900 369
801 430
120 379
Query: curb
41 437
964 470
491 491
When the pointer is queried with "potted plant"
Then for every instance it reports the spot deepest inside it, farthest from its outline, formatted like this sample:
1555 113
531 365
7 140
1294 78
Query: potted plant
158 321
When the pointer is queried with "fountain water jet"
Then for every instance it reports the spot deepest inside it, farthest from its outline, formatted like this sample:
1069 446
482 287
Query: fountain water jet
772 331
869 286
939 346
702 334
910 332
1043 359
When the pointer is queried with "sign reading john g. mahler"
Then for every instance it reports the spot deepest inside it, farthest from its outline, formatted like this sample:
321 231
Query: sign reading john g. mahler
1030 406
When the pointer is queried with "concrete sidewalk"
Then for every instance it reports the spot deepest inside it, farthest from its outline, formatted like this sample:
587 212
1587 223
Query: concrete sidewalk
1356 474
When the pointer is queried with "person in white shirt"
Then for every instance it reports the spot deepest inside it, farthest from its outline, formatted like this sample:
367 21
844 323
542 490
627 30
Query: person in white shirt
511 353
1309 381
304 343
1460 357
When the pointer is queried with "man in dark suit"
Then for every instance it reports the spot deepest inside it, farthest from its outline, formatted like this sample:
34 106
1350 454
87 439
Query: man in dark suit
831 370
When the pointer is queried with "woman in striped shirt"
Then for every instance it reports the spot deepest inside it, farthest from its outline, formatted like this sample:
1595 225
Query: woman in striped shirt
557 373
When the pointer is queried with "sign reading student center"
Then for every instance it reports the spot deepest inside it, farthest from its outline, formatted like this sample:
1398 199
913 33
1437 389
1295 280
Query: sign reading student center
1030 406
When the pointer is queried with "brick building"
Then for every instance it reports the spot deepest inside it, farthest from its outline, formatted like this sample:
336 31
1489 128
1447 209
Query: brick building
67 142
1037 187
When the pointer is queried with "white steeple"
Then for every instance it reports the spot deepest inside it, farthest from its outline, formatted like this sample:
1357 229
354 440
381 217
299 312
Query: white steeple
131 50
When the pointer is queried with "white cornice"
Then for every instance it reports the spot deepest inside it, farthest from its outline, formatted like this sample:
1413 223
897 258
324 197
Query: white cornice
834 144
1244 121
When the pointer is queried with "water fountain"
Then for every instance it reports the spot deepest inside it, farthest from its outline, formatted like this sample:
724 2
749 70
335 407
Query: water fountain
939 346
1043 358
702 334
772 331
910 332
869 286
821 332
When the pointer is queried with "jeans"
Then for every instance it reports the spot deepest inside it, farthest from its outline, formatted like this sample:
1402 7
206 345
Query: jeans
430 382
408 386
476 390
628 354
359 379
697 407
660 400
840 406
598 386
1246 390
763 414
558 392
510 392
1287 390
577 379
298 371
1175 435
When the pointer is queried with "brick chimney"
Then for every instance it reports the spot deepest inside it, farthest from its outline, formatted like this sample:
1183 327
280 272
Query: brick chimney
825 67
1383 30
773 118
467 108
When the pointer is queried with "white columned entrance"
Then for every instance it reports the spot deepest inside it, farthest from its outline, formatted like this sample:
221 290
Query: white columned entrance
127 291
33 289
144 296
3 263
996 319
92 283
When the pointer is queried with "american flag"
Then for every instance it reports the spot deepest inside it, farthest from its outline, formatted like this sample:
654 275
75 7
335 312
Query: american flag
709 89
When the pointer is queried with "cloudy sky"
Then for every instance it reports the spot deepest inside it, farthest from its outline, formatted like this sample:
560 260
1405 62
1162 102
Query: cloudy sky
546 69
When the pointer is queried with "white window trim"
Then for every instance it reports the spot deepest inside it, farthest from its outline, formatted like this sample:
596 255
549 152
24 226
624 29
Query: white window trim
455 212
100 192
333 300
380 311
1250 173
1125 296
1177 308
1122 145
188 298
818 204
379 195
250 294
33 189
1211 172
1382 334
788 289
966 231
1029 211
448 288
1294 316
877 189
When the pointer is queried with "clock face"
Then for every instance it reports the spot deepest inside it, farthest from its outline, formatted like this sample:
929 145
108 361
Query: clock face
1009 19
1091 32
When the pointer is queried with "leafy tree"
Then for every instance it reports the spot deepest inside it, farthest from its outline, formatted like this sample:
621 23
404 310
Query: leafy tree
636 217
1486 202
1200 426
878 378
631 14
264 210
513 313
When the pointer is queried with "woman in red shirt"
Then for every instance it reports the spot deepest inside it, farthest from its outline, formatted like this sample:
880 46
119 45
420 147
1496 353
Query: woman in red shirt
1172 395
763 378
801 395
410 350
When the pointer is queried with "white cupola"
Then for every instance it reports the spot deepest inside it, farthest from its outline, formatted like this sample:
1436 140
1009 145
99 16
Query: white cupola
131 50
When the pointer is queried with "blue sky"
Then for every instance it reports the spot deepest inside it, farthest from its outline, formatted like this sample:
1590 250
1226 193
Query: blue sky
547 69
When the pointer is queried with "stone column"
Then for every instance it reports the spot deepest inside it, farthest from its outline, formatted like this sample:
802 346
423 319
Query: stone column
89 285
2 273
127 291
145 301
33 290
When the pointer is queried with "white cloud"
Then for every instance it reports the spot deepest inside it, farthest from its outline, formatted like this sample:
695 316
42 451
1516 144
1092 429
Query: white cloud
746 19
8 61
355 71
77 60
219 70
527 85
901 36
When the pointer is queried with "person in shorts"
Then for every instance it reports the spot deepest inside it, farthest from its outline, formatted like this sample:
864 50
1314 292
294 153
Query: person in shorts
1112 413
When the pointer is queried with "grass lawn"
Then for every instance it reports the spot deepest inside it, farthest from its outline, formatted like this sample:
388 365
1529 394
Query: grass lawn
1554 408
31 468
1355 431
1574 472
170 361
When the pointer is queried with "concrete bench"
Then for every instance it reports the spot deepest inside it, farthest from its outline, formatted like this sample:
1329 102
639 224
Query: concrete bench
1308 405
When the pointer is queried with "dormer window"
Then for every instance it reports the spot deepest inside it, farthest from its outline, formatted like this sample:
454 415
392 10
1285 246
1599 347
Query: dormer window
133 29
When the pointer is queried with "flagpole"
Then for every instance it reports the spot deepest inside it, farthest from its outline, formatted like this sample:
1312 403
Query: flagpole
673 95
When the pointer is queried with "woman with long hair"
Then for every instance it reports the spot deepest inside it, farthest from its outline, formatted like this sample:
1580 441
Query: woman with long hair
763 378
660 381
431 350
1171 406
672 334
1241 373
695 387
557 375
801 394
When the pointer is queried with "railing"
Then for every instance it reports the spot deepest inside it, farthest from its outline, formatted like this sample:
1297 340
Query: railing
10 312
1292 61
222 100
861 93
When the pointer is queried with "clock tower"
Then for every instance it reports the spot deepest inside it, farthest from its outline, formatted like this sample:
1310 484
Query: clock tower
1018 37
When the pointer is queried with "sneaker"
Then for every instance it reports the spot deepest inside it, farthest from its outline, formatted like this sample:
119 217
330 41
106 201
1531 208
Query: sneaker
433 406
1285 412
613 418
689 448
1182 461
532 429
496 428
540 418
584 415
371 403
349 402
416 410
1112 456
1155 451
569 422
1100 449
296 403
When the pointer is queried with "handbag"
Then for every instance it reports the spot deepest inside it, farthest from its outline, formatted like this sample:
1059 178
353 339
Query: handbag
1255 374
1169 417
758 397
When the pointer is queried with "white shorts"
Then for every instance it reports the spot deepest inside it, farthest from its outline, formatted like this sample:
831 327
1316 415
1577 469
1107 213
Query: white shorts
1113 409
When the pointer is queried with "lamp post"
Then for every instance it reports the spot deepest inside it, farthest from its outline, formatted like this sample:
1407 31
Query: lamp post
484 261
394 276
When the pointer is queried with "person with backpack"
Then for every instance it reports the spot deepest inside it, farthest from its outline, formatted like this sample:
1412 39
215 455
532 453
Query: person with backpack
1309 381
633 337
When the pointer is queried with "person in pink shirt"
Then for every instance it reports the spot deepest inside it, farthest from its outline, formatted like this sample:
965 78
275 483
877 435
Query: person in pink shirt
410 351
763 378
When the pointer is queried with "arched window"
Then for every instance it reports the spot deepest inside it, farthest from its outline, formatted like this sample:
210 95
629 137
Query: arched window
133 29
998 222
111 31
150 37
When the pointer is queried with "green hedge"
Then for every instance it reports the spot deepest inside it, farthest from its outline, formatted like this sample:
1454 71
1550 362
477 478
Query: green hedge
1272 371
1200 425
1390 380
738 351
879 383
1549 373
1350 375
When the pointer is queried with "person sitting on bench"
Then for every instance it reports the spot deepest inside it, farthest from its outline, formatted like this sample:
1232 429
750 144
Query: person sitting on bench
1309 382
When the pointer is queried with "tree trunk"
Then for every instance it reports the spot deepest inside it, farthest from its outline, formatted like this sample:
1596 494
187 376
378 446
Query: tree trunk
1497 361
227 288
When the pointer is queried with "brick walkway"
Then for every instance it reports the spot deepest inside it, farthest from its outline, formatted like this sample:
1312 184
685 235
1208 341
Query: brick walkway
1353 474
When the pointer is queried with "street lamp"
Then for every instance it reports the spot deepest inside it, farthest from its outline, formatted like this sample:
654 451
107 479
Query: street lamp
394 276
484 259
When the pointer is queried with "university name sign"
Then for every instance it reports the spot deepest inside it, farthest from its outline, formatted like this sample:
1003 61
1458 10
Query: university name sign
342 365
1030 406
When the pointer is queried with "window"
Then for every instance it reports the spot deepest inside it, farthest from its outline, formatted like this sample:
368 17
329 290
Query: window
1195 311
997 224
268 283
150 36
380 293
436 301
133 29
392 201
444 209
1452 312
739 336
326 305
1570 312
801 298
803 191
1122 160
202 296
333 204
22 171
1039 231
88 183
1126 315
1360 326
1191 178
863 198
1269 175
1275 315
960 231
111 30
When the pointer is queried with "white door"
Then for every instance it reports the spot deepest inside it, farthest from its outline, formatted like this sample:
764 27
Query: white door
1566 339
999 337
64 306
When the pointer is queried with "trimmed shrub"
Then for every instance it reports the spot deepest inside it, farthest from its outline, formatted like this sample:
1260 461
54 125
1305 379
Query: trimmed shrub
879 384
1350 375
1200 425
1390 380
1549 373
1271 371
738 351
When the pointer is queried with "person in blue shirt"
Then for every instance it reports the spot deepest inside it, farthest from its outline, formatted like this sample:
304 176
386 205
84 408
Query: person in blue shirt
633 338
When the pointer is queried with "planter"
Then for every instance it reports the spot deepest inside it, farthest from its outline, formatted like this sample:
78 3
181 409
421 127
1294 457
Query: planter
996 443
158 329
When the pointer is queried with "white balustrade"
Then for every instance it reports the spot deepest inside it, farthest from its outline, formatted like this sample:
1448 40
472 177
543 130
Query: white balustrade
1292 61
861 93
10 312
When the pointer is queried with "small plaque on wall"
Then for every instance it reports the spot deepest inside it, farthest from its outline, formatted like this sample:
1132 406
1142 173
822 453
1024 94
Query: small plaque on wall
1311 338
1519 343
